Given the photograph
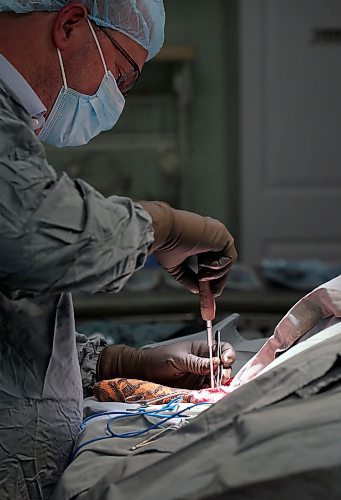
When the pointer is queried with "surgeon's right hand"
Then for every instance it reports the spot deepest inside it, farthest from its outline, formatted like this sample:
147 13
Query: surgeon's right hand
179 234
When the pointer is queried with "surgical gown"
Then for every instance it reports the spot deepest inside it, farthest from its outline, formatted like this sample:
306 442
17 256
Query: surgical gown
57 235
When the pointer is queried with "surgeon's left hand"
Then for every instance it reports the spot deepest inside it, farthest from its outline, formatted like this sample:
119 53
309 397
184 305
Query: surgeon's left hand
182 364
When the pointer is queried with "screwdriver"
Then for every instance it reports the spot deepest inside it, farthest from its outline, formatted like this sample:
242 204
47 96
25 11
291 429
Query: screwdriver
207 309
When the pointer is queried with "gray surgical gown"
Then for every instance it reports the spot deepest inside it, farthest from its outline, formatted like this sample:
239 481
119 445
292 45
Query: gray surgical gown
57 235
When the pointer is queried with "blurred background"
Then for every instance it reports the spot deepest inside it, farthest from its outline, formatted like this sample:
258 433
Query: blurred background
239 118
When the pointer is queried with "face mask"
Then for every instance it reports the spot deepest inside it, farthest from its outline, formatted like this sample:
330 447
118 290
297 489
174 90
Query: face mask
76 118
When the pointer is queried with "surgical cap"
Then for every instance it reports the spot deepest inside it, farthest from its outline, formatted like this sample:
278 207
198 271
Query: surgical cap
141 20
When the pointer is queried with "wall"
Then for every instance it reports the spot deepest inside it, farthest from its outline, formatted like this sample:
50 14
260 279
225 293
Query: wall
212 177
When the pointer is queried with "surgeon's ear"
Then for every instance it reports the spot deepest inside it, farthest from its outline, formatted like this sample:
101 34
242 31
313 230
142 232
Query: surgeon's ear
70 20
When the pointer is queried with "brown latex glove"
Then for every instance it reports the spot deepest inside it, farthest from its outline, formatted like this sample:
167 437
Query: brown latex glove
179 234
181 364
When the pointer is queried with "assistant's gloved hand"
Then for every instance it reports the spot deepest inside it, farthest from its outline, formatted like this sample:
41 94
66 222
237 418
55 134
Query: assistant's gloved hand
179 234
182 364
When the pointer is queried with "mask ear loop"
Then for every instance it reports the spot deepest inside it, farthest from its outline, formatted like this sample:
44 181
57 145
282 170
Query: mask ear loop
62 67
98 45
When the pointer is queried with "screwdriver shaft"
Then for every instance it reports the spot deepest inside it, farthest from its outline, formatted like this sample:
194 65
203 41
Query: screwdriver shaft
207 309
210 349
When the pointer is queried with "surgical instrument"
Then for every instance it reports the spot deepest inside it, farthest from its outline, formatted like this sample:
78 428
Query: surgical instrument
137 398
153 438
207 309
219 375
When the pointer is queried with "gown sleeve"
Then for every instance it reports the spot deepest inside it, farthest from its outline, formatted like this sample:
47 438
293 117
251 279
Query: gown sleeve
89 350
59 234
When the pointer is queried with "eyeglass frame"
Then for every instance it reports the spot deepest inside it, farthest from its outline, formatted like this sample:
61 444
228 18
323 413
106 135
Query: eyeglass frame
136 70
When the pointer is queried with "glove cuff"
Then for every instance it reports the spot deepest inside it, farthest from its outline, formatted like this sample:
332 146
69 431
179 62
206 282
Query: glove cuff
162 216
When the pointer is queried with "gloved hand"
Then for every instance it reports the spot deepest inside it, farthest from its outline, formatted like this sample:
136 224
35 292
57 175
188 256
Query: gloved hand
179 235
182 364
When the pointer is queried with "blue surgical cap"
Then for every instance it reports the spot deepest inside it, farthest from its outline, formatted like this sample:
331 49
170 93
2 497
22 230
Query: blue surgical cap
141 20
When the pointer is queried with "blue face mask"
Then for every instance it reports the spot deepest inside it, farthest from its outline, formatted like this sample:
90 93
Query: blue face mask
76 118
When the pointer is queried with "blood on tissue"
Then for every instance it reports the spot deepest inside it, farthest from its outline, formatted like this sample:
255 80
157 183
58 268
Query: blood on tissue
211 395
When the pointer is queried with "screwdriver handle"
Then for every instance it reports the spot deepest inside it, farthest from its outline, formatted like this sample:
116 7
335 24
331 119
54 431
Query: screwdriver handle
207 301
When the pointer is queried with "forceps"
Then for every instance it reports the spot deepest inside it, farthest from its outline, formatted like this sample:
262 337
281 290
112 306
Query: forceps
219 374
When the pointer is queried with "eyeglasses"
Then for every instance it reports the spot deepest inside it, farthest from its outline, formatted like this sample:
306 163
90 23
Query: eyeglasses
125 82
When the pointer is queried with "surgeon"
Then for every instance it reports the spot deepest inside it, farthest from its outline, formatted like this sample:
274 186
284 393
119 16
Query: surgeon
66 69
